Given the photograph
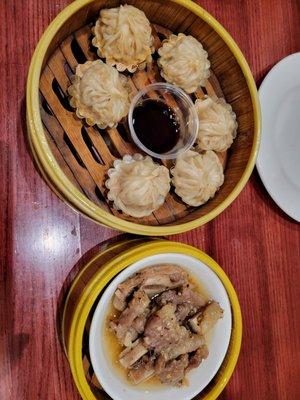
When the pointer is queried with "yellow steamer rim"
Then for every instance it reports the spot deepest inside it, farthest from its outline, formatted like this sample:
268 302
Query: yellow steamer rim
73 336
58 180
82 280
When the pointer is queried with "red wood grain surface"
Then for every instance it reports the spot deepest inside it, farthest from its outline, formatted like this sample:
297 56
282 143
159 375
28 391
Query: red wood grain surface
41 238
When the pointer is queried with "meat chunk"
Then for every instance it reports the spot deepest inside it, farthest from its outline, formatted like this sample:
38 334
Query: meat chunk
152 290
124 290
196 359
119 301
170 277
206 319
140 321
142 370
195 299
165 335
172 372
136 307
166 275
188 302
163 330
154 280
131 355
127 287
169 296
183 311
130 336
211 314
186 296
186 345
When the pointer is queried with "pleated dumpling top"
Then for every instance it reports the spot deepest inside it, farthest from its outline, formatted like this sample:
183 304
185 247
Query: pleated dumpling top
197 177
184 62
124 38
100 94
137 185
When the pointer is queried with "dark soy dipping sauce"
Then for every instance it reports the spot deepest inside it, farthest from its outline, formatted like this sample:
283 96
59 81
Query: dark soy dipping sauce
156 126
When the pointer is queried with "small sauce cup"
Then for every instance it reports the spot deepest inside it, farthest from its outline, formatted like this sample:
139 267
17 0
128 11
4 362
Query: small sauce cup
184 110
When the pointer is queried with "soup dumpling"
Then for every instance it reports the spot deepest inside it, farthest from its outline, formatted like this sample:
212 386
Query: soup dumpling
100 94
137 185
184 62
218 126
197 177
123 36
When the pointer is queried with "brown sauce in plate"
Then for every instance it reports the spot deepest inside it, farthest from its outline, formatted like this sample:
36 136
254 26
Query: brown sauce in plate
156 126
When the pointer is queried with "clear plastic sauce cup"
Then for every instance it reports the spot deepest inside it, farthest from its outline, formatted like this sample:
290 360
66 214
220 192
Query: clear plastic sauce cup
183 109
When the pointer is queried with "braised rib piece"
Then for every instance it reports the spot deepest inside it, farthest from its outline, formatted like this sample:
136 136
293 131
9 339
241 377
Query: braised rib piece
140 321
163 331
166 336
154 280
142 370
124 290
130 336
188 301
206 319
123 325
186 296
187 345
131 355
172 372
196 359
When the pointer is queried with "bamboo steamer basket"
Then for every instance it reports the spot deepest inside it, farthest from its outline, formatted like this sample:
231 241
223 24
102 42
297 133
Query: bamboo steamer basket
90 283
74 158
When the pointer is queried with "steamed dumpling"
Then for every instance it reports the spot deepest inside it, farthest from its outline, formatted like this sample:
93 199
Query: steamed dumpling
123 37
218 126
184 62
197 177
100 94
137 185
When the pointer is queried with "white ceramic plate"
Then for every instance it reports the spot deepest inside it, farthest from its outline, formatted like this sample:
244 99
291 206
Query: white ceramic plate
115 385
278 161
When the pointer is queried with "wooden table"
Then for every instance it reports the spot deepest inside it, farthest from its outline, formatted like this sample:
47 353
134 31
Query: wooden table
42 238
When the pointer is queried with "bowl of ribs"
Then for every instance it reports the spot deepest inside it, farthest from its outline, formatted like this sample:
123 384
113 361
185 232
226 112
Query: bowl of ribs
161 328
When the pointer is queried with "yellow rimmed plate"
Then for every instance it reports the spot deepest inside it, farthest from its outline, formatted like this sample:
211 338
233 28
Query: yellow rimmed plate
77 339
